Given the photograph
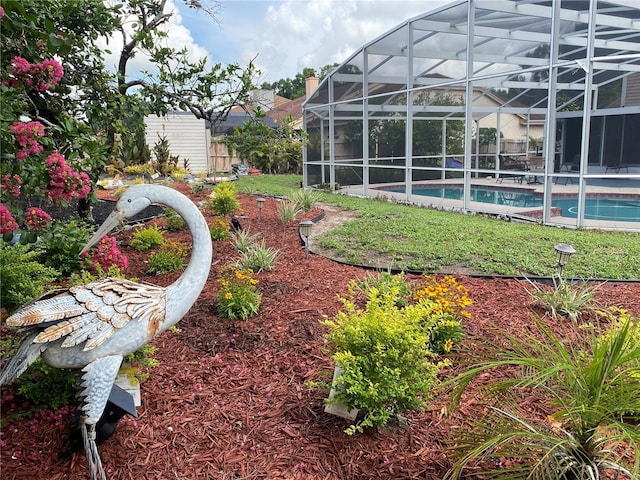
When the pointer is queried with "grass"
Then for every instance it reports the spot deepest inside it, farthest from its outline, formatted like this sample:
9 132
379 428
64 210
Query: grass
422 239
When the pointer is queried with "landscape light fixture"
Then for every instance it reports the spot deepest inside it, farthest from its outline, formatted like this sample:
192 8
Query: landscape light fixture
305 230
563 254
260 201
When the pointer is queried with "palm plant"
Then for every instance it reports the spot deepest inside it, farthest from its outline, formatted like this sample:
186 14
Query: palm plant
592 387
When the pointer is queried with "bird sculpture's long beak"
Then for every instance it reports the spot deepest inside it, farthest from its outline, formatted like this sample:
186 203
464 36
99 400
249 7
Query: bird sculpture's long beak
112 221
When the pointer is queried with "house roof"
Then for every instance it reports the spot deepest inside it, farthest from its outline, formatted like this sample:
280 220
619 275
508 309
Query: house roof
234 120
290 108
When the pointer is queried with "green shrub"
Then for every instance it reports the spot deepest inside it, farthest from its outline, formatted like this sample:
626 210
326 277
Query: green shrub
198 187
85 276
287 210
304 199
22 277
385 282
174 221
220 229
238 298
258 258
139 169
62 244
48 387
141 358
383 350
147 238
224 199
169 258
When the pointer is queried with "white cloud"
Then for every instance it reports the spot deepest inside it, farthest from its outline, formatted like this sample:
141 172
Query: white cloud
298 34
289 35
283 36
179 36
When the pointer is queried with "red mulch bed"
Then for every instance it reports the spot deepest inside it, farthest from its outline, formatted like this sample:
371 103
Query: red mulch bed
230 398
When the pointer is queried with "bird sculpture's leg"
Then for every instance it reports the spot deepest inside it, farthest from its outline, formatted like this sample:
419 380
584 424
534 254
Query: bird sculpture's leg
97 382
91 450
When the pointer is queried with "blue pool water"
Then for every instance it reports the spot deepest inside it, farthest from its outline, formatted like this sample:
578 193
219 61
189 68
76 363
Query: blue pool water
611 208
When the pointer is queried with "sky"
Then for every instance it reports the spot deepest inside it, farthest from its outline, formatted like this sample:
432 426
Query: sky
283 37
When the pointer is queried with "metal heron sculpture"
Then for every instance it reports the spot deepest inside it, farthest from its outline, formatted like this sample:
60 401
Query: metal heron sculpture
93 326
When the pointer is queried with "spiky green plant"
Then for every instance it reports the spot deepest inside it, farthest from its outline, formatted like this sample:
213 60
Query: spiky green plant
590 386
258 258
566 299
243 241
304 199
287 210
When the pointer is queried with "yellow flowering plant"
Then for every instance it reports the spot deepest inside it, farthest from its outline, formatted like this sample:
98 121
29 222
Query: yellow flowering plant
220 229
445 302
238 297
387 345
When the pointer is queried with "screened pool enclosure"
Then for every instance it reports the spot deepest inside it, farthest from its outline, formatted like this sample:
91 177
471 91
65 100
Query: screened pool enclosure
508 93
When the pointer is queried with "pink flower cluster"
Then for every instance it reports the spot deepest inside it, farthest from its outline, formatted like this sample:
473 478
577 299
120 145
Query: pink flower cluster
11 184
7 222
36 219
64 182
39 76
107 254
27 134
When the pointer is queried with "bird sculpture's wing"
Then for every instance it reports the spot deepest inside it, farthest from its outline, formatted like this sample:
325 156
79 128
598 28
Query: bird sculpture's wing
92 313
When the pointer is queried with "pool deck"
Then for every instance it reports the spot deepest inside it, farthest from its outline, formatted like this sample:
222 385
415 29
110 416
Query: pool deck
515 212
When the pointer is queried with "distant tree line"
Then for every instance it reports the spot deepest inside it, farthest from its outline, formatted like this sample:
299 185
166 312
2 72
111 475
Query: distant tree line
293 88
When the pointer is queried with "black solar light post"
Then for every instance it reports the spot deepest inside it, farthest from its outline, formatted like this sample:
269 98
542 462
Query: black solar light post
305 230
563 254
260 201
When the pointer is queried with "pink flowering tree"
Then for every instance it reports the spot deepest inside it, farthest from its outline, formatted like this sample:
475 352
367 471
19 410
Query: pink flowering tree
51 153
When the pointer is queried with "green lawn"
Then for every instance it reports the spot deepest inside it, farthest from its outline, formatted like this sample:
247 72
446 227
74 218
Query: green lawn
415 238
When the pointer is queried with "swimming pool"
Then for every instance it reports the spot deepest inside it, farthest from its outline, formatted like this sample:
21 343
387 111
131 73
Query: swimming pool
610 207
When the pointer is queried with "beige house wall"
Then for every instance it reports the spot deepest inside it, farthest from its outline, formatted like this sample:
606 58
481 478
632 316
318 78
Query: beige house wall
187 135
512 127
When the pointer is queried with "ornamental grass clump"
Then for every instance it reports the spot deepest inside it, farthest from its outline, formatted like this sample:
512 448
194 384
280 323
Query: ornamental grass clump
238 298
383 349
304 199
586 424
258 257
565 299
288 210
243 241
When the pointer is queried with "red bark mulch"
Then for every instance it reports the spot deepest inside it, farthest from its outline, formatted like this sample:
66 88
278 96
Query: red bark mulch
230 399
